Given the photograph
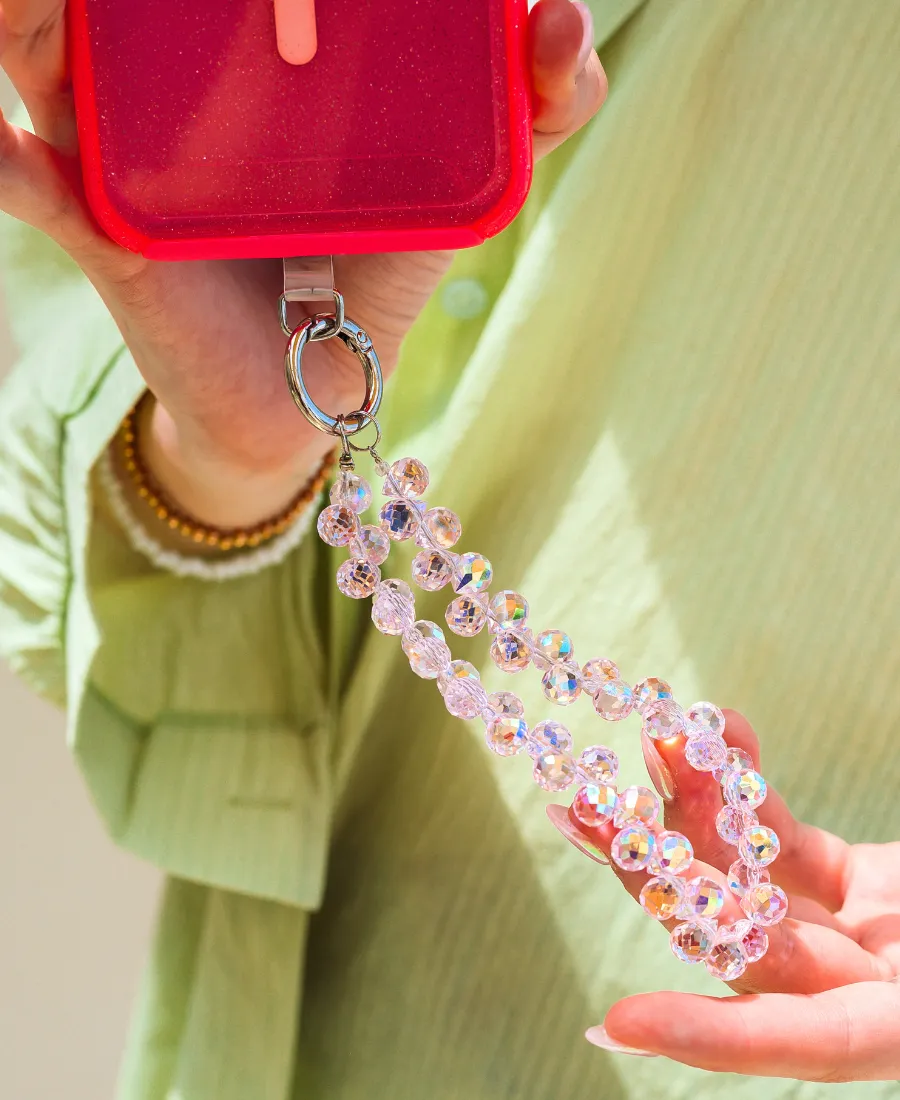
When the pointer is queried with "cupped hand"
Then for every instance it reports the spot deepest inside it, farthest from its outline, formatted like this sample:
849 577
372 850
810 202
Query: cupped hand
205 334
823 1004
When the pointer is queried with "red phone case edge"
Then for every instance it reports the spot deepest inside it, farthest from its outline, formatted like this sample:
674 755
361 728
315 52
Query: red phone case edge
301 244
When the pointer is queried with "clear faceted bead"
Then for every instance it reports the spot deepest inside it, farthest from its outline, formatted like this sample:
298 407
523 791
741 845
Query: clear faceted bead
661 897
596 672
431 570
759 846
554 645
594 804
352 491
336 524
509 610
393 612
663 720
555 771
632 848
357 578
549 736
703 897
561 684
374 543
426 650
765 904
727 961
741 877
692 941
457 670
506 735
708 717
746 789
506 704
734 932
510 652
465 698
755 944
636 805
473 573
409 476
731 822
674 852
705 753
440 527
466 616
598 764
736 760
650 691
399 520
614 700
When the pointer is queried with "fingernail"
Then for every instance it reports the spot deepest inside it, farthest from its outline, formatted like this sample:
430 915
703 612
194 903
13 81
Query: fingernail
559 817
587 42
599 1037
659 771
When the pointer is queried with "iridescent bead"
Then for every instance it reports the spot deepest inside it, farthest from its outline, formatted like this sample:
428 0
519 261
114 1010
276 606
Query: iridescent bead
594 804
614 700
473 573
674 853
440 527
708 717
554 645
465 698
352 491
636 805
336 524
554 771
506 704
746 789
731 822
466 616
663 720
426 649
703 897
705 753
506 735
765 904
734 933
549 735
357 578
393 611
398 520
510 652
741 877
457 670
759 846
374 543
727 961
661 897
755 944
409 476
431 570
736 760
509 610
632 848
598 764
596 672
561 684
651 690
692 941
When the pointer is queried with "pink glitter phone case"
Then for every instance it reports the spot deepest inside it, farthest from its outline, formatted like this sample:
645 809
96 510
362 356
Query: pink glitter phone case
408 129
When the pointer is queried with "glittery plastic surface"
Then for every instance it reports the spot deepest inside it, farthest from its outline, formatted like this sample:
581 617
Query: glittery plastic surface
409 128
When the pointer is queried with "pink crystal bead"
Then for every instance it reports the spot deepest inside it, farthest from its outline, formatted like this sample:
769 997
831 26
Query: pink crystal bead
431 570
594 804
692 941
399 520
393 608
703 897
426 650
506 735
554 771
473 573
440 528
674 853
704 753
408 476
598 764
755 944
509 610
765 904
735 760
727 961
731 822
614 701
596 672
661 897
663 720
507 704
561 684
759 846
549 735
465 698
650 691
554 645
357 578
746 789
374 544
632 848
351 491
707 718
336 524
741 877
734 932
457 670
510 652
466 616
636 805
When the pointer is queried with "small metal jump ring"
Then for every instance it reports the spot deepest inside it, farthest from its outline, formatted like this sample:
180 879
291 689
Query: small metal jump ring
362 420
337 321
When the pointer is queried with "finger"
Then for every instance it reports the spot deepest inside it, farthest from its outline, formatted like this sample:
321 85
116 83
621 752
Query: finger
847 1034
34 57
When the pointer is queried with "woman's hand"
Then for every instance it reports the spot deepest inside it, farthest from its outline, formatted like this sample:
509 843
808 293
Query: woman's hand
824 1003
226 438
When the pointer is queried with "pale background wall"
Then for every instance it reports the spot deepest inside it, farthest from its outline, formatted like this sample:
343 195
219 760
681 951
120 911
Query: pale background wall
75 913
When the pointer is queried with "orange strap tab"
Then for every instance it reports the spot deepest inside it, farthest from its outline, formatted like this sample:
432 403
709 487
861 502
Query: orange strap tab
295 26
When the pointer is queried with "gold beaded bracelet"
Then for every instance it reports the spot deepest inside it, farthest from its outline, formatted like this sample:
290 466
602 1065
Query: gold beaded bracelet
191 529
